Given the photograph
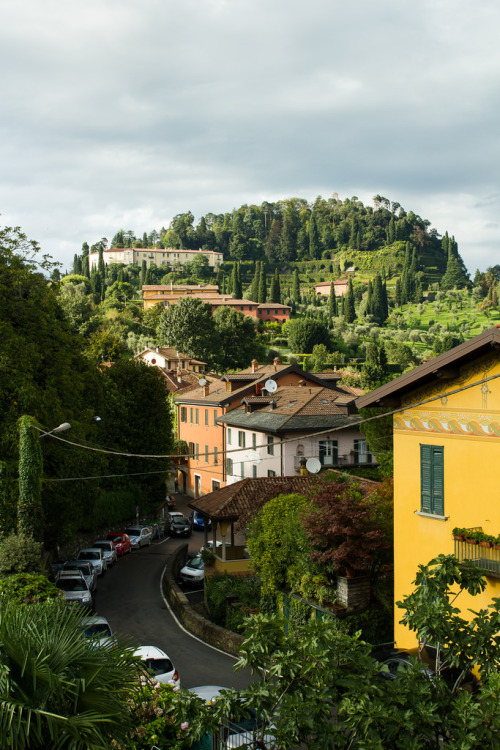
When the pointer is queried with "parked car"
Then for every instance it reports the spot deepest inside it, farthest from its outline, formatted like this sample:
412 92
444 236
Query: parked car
98 629
109 549
74 587
193 571
140 536
95 556
397 659
158 665
121 541
87 571
234 733
58 565
198 521
180 526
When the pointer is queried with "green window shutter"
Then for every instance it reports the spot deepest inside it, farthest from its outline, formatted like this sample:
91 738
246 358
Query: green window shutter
425 479
438 480
432 479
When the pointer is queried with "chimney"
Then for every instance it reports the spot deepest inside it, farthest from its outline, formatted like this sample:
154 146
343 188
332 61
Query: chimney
179 374
272 405
157 349
255 365
276 361
302 383
206 389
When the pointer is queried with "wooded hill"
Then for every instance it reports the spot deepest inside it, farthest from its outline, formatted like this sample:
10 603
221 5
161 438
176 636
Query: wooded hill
366 238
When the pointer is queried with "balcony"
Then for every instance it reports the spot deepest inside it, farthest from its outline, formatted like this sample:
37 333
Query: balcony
346 459
487 558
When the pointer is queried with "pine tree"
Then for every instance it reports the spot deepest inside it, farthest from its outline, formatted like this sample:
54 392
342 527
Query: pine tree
144 268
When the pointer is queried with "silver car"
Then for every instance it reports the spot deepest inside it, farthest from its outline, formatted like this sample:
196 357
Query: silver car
86 569
140 536
74 588
95 556
109 549
98 630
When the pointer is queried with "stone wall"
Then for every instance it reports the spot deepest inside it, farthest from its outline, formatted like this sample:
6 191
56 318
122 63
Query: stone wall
192 620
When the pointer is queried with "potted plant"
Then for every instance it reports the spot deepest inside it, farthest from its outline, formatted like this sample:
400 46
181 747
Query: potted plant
496 543
458 534
484 540
469 537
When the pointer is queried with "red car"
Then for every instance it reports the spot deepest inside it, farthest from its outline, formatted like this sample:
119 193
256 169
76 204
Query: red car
121 541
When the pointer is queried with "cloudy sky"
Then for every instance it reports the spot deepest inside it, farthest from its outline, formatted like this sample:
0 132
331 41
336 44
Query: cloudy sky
122 113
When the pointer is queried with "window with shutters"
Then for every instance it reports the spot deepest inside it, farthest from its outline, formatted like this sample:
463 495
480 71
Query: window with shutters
432 479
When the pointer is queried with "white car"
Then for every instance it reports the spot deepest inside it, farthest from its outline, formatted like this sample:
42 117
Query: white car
98 630
140 536
234 734
158 665
193 571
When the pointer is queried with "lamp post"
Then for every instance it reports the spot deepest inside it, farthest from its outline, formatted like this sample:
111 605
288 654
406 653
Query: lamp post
62 428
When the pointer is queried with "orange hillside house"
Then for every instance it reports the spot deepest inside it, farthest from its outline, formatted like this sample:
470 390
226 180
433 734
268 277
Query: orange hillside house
446 448
199 407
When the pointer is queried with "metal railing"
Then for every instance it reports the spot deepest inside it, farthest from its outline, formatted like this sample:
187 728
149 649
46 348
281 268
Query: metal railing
487 558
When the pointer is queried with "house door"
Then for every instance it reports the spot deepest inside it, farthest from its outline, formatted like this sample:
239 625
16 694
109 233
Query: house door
197 485
328 452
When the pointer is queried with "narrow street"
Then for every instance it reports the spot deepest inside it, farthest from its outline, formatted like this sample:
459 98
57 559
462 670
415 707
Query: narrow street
129 596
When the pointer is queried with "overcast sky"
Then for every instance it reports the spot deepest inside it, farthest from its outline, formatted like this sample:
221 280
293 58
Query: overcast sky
122 113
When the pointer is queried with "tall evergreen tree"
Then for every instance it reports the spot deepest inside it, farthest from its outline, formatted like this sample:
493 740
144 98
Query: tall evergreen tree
253 291
349 305
296 287
397 294
236 282
262 297
275 292
144 268
314 239
332 302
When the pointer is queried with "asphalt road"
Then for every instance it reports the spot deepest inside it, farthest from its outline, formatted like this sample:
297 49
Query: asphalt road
129 596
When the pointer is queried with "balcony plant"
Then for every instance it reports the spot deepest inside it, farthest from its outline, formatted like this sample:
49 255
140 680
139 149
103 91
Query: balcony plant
458 534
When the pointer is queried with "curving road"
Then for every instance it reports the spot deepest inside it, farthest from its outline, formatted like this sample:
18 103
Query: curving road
129 596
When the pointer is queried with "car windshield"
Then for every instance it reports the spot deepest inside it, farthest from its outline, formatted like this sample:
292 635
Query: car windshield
116 539
158 666
133 532
98 630
103 545
179 522
72 584
77 565
89 556
196 563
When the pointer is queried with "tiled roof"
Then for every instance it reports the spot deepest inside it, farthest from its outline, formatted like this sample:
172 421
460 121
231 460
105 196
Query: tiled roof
245 497
239 501
178 287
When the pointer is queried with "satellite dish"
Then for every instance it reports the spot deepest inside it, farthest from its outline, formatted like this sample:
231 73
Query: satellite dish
271 385
313 465
202 381
254 457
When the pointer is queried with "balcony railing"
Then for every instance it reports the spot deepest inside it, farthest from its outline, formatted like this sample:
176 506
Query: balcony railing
485 558
346 459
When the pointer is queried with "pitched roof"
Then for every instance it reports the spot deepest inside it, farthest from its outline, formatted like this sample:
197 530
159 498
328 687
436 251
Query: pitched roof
294 408
247 496
241 500
442 367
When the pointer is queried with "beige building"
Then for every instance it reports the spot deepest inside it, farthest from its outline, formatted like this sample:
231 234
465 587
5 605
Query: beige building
169 257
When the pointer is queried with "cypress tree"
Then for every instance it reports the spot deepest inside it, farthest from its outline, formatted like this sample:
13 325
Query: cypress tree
237 290
296 287
262 296
398 292
349 306
275 292
253 290
144 268
314 240
100 265
332 302
369 299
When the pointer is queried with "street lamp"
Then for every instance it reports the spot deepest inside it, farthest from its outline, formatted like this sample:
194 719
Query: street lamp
62 428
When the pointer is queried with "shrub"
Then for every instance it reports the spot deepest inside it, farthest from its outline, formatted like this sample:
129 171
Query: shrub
19 553
245 590
27 588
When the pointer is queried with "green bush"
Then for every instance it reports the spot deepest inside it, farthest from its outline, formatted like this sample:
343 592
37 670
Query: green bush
19 553
27 588
246 593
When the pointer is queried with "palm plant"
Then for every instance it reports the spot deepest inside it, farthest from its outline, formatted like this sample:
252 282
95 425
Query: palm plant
57 689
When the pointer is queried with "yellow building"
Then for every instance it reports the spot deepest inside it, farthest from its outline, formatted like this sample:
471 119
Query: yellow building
446 448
